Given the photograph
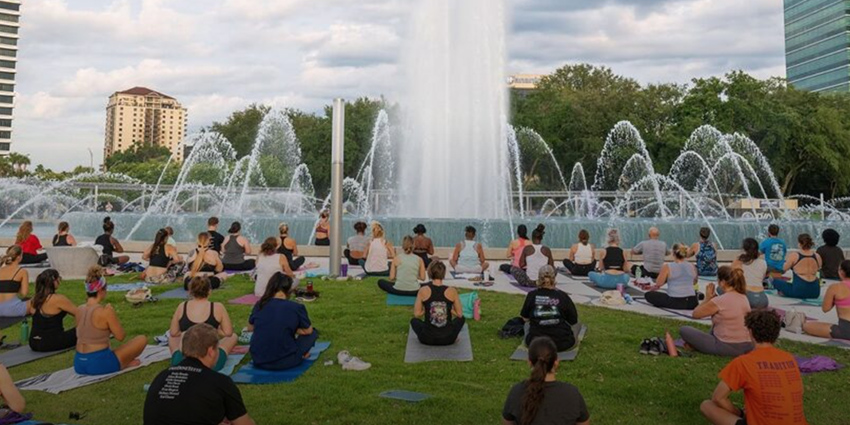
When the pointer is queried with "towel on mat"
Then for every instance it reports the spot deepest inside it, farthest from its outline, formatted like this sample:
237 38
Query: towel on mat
579 330
233 360
67 379
248 374
460 351
24 354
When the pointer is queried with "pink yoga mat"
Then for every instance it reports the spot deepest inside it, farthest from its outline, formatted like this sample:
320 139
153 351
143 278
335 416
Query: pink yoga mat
249 299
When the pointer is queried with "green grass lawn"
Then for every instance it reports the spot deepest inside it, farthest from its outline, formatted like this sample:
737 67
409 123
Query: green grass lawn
620 385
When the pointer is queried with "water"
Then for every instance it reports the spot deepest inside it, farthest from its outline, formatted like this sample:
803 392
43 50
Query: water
453 152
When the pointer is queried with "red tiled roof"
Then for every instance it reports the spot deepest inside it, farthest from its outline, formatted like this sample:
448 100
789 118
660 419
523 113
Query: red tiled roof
143 91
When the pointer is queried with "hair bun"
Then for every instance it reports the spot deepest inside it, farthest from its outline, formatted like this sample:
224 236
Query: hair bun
541 227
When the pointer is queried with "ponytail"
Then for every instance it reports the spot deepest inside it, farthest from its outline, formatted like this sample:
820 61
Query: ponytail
542 353
45 286
734 278
12 253
203 245
279 282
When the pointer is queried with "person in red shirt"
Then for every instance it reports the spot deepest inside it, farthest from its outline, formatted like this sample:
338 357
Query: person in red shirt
29 244
770 378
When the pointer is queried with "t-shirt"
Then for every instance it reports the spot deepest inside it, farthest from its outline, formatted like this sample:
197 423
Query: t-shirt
562 405
274 330
653 251
192 394
774 252
832 257
358 243
550 313
773 387
216 239
30 245
728 322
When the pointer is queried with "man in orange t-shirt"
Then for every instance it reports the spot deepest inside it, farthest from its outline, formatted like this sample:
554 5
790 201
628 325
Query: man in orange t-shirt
770 378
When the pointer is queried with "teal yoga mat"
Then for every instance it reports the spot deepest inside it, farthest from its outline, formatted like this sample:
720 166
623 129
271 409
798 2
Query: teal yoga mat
248 374
393 299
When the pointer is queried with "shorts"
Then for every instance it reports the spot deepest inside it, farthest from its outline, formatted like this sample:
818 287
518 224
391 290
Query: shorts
841 330
13 308
178 357
101 362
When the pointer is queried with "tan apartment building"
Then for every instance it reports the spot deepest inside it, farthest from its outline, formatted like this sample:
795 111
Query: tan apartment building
10 15
143 116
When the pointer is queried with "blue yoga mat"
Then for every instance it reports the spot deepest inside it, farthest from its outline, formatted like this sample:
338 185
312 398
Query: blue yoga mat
121 287
817 302
409 396
248 374
393 299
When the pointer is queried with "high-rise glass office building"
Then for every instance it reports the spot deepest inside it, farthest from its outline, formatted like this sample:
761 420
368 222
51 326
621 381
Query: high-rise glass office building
817 44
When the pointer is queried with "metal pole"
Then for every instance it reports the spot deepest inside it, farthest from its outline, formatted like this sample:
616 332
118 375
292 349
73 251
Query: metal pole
337 144
822 208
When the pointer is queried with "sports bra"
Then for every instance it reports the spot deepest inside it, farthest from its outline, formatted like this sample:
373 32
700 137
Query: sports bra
844 302
185 323
614 258
60 240
160 258
10 286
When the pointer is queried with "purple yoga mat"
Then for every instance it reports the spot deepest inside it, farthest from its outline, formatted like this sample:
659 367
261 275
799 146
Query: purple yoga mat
249 299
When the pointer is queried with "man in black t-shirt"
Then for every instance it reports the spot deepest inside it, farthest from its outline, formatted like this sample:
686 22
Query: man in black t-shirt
550 312
191 393
216 239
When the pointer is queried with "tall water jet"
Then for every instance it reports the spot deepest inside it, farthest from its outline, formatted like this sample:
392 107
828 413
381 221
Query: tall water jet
454 154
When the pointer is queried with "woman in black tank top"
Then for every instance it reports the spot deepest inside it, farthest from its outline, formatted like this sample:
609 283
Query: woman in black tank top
440 306
48 309
63 237
199 290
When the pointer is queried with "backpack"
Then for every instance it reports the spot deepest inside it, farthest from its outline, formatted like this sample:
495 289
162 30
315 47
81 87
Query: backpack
513 328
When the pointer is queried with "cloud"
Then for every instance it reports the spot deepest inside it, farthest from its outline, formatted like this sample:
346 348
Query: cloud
216 56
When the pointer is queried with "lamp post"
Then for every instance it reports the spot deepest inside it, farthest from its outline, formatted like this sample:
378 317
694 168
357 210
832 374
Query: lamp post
337 144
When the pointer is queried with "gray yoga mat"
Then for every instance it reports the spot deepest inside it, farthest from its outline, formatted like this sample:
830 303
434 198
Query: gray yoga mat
579 330
460 351
24 354
176 293
6 322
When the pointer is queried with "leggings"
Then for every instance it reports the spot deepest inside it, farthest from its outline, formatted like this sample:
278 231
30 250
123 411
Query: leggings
644 272
389 287
579 269
505 268
429 334
425 258
841 330
323 242
351 260
53 341
248 264
33 259
304 344
707 343
522 278
608 280
296 263
384 273
662 300
797 288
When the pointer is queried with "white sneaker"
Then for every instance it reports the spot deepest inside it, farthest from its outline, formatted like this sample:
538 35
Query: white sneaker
343 357
354 363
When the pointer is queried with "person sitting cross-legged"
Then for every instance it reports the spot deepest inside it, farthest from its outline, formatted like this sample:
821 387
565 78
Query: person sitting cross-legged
653 250
549 312
534 256
441 308
838 296
406 271
191 393
612 264
769 377
679 276
468 256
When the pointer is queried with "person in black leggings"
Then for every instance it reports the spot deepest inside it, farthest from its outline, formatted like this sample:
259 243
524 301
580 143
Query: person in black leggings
289 248
441 309
48 309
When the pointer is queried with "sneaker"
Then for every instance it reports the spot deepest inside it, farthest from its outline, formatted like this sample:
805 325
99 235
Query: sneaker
245 337
655 347
162 340
354 363
343 356
644 346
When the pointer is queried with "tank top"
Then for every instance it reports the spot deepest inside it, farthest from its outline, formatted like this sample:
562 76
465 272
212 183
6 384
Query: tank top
283 250
535 261
87 333
10 286
584 254
159 258
407 273
105 240
43 324
680 282
844 302
185 323
438 308
205 267
468 256
754 272
60 240
516 254
614 259
728 322
706 259
378 256
267 266
233 252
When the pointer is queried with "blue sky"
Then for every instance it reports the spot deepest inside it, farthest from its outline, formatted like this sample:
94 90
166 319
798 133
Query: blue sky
217 56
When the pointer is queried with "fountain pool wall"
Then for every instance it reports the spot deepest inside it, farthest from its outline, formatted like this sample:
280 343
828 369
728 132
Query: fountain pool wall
560 232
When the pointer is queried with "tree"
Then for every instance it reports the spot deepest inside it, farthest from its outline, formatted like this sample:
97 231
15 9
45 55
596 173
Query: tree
138 153
241 127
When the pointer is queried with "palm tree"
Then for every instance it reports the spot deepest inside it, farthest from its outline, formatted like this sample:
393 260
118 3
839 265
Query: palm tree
19 162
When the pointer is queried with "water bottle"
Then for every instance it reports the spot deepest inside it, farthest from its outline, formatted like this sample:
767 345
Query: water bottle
820 281
309 286
25 332
638 273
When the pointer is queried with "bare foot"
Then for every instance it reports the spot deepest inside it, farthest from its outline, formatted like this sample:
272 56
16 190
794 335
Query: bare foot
134 363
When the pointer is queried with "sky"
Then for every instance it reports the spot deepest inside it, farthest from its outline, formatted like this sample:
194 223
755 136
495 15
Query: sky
218 56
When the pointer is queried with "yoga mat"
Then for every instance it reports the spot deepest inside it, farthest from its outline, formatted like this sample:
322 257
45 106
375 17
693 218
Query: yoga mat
631 290
122 287
248 374
460 351
24 354
526 289
688 314
316 273
465 276
817 302
402 395
233 360
249 299
176 293
6 322
393 299
509 277
67 379
43 264
579 330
